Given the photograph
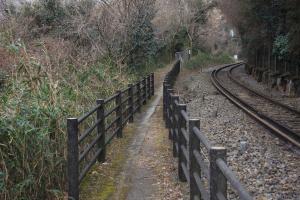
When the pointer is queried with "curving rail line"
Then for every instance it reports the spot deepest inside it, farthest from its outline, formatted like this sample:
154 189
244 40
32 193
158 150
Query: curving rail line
281 119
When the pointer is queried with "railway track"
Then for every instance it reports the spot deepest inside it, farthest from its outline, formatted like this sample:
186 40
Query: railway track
281 119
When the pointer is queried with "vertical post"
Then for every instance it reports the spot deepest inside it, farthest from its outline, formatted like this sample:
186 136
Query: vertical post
152 84
130 102
164 100
181 142
166 87
169 111
175 123
275 61
285 67
119 114
218 183
194 145
170 116
144 91
149 92
101 129
139 101
73 165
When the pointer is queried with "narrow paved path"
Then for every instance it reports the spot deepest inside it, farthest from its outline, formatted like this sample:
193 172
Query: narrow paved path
139 166
150 171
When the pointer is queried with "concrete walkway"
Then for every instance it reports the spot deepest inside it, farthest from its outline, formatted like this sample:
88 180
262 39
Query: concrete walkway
140 166
138 176
150 171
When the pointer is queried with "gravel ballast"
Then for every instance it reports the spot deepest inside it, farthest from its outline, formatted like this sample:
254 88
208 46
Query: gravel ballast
266 89
268 167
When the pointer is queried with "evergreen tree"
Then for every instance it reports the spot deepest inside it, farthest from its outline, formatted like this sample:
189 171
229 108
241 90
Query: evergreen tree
141 39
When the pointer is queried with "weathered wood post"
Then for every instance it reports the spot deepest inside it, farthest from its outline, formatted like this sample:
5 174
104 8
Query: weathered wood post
164 100
73 165
119 114
139 101
169 111
152 84
144 91
130 102
194 168
218 183
101 129
149 92
166 88
181 142
175 99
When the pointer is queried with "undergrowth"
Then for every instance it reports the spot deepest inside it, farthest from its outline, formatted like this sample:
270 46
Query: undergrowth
38 97
203 59
58 57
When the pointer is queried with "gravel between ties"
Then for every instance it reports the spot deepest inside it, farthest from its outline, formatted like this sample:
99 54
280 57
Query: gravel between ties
268 167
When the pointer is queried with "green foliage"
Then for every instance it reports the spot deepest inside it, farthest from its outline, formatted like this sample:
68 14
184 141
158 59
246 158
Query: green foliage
49 12
33 124
44 12
267 24
180 40
205 59
142 45
45 88
34 162
281 48
293 25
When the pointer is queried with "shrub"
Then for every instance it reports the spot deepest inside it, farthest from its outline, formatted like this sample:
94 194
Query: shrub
33 108
203 59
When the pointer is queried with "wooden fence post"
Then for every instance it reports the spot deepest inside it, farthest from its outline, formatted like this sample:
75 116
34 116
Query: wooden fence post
149 92
166 88
169 111
218 182
194 168
73 165
130 102
144 91
152 84
139 102
174 127
119 114
101 129
166 105
181 142
164 100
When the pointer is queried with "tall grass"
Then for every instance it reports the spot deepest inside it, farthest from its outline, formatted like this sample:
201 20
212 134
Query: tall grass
203 59
58 67
34 106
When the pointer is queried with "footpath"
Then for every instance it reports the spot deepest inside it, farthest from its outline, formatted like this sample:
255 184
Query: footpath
147 170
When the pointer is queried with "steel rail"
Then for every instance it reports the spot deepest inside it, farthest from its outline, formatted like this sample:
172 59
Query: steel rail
230 75
271 124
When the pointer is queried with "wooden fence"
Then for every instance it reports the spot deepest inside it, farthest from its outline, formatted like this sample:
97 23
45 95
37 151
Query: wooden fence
199 163
87 144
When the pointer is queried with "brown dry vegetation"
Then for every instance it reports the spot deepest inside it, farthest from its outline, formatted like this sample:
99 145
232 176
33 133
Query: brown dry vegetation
6 60
61 57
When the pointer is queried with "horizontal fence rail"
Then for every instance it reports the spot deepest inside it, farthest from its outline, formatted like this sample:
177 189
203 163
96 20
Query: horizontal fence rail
89 135
200 163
